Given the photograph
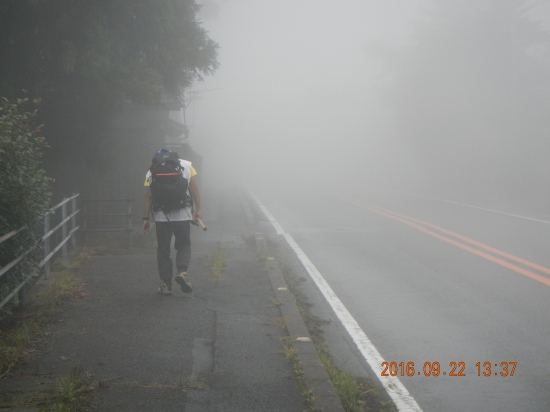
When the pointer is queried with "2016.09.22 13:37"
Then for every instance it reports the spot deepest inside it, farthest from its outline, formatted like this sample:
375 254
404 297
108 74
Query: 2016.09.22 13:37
456 369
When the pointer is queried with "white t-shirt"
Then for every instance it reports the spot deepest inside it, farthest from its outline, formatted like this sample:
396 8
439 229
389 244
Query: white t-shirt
177 215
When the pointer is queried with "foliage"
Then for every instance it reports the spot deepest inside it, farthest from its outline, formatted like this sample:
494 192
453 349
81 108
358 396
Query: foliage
24 188
86 58
356 394
117 49
71 388
18 340
217 262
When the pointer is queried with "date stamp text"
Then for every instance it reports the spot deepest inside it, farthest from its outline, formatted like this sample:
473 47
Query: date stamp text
457 369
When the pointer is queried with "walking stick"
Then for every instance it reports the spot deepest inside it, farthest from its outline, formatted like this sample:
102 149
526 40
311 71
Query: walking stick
201 224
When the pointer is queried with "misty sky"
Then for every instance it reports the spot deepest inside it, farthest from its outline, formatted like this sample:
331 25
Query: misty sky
303 86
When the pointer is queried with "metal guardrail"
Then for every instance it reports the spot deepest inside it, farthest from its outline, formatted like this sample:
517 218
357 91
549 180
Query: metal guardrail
45 240
129 229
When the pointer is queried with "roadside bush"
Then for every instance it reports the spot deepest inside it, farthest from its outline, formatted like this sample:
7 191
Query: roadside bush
24 190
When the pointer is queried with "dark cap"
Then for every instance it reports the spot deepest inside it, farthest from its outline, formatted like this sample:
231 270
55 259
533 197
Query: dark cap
161 151
167 156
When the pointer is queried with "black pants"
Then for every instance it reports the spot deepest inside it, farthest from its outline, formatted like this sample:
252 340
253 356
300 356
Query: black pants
181 231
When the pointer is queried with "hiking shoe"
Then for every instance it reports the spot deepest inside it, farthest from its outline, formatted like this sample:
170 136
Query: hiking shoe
184 283
165 289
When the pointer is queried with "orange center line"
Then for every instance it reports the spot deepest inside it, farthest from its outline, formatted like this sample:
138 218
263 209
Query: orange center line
467 239
410 222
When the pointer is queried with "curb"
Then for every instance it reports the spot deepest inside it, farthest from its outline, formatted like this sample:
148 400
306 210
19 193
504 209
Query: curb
315 374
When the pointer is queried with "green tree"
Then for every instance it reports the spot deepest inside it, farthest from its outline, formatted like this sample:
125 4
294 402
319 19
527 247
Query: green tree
140 50
83 58
24 189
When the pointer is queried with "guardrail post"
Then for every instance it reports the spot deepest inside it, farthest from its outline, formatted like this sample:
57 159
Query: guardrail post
73 221
85 220
49 250
64 229
21 297
47 244
129 217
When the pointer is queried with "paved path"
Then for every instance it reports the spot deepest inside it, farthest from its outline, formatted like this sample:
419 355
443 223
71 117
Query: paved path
155 352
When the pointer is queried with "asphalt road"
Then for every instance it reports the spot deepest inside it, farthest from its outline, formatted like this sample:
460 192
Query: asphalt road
433 281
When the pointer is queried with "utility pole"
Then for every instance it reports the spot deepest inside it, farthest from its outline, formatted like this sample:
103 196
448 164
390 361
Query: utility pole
191 96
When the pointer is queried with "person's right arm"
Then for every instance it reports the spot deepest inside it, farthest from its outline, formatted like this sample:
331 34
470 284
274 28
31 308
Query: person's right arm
147 210
196 197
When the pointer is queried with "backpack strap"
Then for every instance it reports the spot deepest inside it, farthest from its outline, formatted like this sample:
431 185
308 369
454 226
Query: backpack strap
169 174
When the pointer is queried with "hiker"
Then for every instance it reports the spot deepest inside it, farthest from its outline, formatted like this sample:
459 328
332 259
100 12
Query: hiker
171 206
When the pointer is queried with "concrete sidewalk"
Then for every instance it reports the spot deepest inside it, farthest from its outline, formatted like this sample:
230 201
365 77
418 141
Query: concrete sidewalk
216 349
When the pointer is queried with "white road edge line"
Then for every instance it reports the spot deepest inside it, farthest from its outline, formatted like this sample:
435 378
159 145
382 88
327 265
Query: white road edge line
397 391
473 207
269 216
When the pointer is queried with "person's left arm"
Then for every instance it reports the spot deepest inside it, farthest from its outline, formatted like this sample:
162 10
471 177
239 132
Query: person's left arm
196 197
147 210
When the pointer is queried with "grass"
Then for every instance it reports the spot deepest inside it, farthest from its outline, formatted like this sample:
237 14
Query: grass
16 346
313 323
282 321
249 240
199 383
275 301
217 262
70 390
291 354
17 340
262 254
356 394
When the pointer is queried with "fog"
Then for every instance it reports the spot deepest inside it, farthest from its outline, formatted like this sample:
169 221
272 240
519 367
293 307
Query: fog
443 98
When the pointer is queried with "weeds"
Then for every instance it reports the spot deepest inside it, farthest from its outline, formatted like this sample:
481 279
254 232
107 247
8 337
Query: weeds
291 354
356 394
16 343
262 254
249 240
15 347
70 389
217 262
313 323
282 321
198 383
275 301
